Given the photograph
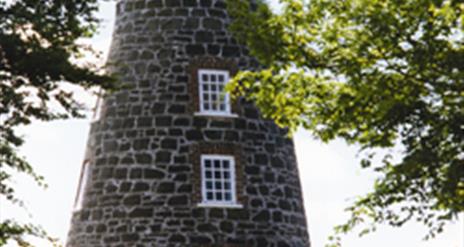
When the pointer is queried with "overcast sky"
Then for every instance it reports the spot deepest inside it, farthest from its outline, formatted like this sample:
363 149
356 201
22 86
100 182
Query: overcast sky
329 174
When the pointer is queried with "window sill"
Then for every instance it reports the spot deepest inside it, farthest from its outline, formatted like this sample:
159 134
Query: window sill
218 205
211 114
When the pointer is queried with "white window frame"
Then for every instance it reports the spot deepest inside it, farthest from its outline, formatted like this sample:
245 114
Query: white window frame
227 112
83 181
219 203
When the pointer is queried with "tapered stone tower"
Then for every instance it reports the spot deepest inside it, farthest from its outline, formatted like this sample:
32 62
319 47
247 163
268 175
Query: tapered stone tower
172 160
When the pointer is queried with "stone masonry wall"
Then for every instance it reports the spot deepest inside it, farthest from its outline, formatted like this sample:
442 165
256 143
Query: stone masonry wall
144 151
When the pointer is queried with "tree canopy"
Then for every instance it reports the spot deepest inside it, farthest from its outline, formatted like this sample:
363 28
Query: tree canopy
380 74
39 47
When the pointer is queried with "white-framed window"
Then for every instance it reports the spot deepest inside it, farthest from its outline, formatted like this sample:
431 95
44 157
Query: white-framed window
218 180
214 100
82 184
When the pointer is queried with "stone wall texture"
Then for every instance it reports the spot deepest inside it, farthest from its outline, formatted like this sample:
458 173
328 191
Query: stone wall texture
143 152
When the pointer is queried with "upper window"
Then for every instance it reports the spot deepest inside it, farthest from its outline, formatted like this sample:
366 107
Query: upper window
218 180
213 97
82 184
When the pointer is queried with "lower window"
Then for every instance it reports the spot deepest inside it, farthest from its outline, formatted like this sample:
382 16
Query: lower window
218 180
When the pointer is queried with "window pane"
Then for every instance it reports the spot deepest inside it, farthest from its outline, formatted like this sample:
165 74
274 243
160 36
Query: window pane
212 91
217 184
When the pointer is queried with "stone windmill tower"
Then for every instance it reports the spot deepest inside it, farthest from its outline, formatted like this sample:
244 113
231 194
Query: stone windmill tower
173 161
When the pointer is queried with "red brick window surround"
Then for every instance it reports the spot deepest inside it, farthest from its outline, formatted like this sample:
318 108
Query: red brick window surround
203 70
231 152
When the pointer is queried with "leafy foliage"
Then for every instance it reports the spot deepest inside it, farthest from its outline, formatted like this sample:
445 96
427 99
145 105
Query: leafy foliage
38 53
12 230
381 74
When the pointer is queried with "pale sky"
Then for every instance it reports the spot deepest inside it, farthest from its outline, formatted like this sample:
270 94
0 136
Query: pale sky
330 177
